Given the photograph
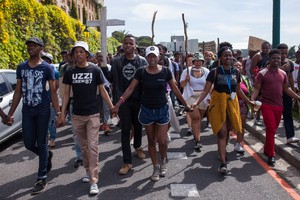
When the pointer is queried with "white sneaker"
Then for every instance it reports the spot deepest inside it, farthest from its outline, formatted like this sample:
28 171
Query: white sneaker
86 178
94 189
292 140
169 137
238 148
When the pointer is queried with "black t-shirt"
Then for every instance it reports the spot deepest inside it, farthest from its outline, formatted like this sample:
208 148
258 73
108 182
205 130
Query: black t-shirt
153 87
85 82
221 79
128 71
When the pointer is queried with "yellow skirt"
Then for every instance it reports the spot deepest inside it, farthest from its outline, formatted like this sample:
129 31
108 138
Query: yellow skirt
220 107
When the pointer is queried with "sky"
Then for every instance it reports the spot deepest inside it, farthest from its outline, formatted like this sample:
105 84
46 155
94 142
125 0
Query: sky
231 20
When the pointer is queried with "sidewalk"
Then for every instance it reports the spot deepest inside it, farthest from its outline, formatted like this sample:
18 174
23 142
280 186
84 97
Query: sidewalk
290 152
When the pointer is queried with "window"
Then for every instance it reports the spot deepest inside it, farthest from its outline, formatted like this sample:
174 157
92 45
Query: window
3 87
12 79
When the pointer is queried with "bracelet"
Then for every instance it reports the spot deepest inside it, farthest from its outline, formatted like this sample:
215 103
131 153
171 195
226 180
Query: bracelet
122 99
58 113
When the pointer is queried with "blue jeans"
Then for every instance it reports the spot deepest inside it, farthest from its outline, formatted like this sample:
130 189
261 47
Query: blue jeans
35 128
52 124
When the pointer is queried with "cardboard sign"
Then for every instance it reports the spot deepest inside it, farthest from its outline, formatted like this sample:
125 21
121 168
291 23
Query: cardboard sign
254 43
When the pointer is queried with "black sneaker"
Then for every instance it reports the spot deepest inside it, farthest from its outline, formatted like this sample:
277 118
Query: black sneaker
189 132
39 186
49 165
78 163
271 161
223 169
198 145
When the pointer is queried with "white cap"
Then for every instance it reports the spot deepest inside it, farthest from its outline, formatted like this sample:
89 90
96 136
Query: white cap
47 55
81 44
152 49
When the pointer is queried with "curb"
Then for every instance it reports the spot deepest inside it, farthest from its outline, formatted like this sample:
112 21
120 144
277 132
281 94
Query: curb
282 149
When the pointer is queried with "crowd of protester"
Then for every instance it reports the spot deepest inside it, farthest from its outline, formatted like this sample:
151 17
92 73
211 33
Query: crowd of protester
140 88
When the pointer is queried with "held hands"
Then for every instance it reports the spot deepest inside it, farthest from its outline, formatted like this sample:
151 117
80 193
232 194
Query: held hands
114 110
188 108
60 120
8 120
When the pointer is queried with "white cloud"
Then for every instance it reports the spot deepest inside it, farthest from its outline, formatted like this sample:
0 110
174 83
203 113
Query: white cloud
232 20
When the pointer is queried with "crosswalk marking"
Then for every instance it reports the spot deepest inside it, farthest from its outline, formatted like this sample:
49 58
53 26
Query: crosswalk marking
175 135
184 190
176 155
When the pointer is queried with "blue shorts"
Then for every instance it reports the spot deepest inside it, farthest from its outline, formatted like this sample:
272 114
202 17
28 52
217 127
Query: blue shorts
159 116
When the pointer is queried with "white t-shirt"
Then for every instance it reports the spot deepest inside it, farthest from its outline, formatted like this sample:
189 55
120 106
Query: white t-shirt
295 74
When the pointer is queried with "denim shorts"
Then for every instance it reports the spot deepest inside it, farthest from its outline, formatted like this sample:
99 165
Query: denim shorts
159 116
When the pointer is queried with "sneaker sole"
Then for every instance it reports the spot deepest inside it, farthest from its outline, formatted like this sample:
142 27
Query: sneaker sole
223 171
38 192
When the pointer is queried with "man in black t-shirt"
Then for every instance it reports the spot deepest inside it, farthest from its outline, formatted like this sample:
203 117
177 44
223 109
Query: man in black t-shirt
123 69
85 79
288 67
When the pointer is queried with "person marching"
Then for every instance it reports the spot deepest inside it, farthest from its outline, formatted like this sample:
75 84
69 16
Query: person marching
154 112
193 84
224 110
85 79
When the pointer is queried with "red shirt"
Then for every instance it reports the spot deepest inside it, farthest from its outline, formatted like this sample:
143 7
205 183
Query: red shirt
271 82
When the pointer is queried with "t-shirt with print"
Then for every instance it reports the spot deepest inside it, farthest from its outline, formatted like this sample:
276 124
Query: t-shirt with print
34 80
85 82
223 77
153 87
271 82
129 69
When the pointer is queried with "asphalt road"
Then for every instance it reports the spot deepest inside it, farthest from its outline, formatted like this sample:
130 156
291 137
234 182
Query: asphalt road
190 175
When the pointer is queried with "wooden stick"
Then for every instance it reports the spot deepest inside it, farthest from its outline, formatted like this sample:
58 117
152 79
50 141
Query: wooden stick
153 21
185 42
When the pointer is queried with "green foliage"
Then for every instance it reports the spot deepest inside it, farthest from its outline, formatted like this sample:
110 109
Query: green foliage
119 35
143 41
21 19
292 52
113 43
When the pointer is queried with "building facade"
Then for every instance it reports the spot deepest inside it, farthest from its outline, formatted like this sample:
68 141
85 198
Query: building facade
90 7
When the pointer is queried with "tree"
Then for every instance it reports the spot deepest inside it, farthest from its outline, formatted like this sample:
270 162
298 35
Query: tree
143 41
73 11
292 51
119 35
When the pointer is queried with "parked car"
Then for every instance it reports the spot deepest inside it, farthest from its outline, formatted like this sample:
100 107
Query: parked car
8 83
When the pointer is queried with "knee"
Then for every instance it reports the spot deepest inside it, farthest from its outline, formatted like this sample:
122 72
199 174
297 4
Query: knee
30 146
222 135
151 143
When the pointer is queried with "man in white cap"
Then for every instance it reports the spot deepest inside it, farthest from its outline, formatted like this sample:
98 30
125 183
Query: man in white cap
85 79
154 111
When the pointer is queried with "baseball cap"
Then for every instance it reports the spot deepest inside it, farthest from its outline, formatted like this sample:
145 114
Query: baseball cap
47 55
198 56
81 44
35 40
152 49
